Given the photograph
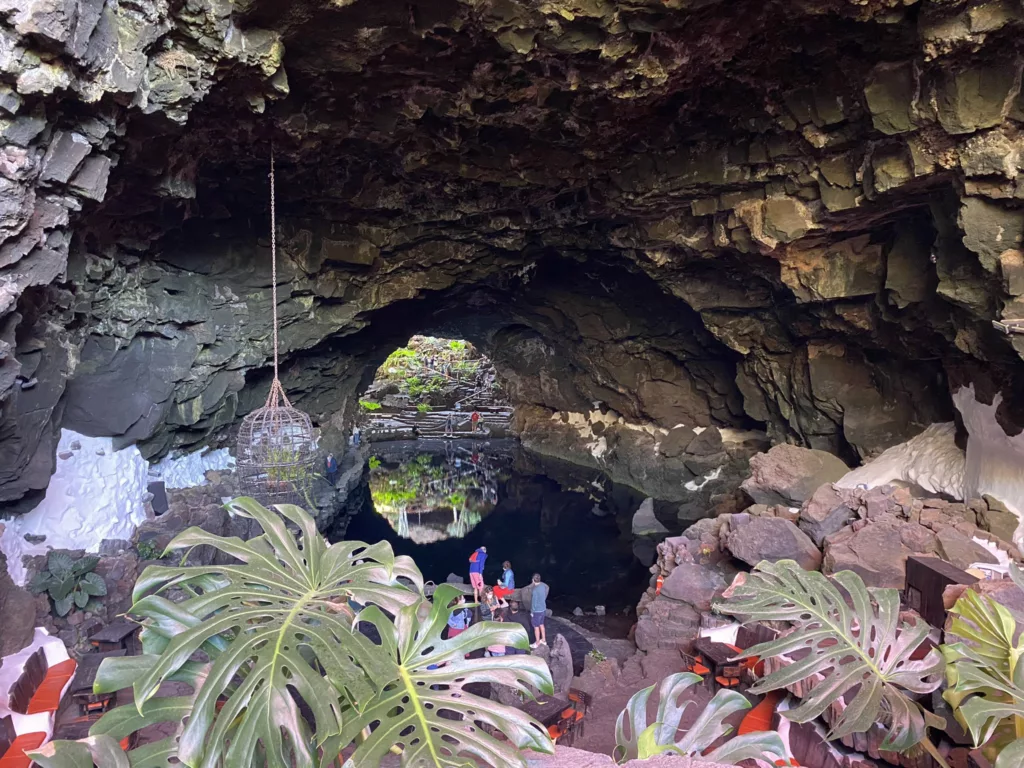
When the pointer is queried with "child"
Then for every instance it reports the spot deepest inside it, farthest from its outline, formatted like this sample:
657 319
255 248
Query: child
458 620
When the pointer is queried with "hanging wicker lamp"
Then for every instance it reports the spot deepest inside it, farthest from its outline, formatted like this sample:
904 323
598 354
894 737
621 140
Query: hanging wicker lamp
276 450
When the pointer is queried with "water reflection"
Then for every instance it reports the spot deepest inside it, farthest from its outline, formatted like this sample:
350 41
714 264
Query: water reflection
429 497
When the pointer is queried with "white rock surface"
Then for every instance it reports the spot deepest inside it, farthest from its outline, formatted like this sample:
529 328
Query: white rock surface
96 493
189 470
931 460
995 461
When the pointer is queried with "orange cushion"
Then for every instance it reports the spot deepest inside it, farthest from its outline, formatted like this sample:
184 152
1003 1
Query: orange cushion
554 732
47 695
567 714
700 669
15 757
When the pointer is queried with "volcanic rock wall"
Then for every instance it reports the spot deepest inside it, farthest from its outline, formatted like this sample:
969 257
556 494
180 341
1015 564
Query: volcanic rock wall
796 216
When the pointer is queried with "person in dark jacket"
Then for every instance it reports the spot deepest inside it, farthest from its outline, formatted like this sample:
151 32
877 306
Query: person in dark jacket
516 615
332 468
476 571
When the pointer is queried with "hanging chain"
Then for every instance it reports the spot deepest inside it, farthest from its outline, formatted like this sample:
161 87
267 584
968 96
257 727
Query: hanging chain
276 390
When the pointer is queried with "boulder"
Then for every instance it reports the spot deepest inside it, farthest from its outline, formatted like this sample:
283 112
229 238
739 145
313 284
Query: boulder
707 443
667 624
753 539
824 513
962 551
878 550
997 519
645 523
677 441
694 584
560 663
17 613
788 474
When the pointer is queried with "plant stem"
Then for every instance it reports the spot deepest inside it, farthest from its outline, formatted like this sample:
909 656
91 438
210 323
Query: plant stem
932 750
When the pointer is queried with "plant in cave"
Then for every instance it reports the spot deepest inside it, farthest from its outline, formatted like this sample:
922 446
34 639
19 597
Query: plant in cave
985 675
70 583
864 651
423 408
369 405
374 462
287 668
457 346
635 739
147 550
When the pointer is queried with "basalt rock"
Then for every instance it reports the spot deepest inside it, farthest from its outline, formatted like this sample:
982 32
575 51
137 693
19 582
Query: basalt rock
690 214
754 539
788 474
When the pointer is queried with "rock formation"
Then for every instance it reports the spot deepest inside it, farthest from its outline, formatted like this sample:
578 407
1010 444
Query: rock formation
801 218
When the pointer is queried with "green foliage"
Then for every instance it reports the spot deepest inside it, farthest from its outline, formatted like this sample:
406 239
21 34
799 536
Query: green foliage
70 583
457 346
985 676
369 405
641 741
281 675
864 650
374 462
596 655
148 550
423 408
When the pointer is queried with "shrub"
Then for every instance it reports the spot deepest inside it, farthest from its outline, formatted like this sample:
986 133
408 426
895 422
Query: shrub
70 583
148 550
281 674
374 462
423 408
369 405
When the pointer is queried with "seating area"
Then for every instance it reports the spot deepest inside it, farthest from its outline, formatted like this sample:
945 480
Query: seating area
40 687
571 720
13 746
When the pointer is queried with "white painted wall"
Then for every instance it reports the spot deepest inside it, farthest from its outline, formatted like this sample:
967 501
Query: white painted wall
96 493
10 671
931 460
189 470
995 461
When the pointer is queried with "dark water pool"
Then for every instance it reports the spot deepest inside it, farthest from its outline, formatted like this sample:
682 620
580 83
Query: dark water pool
438 502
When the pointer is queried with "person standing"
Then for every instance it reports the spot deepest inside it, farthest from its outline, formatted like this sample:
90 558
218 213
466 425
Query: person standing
331 464
474 420
449 425
458 620
539 610
476 571
507 584
355 436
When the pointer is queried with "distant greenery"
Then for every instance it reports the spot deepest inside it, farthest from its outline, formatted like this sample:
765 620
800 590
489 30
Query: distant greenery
596 655
374 462
457 346
408 367
423 408
369 405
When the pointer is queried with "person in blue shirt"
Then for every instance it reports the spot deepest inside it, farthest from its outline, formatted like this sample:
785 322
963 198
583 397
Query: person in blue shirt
507 583
539 610
458 619
476 571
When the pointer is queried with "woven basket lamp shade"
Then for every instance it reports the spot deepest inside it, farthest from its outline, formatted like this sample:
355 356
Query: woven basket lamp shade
275 454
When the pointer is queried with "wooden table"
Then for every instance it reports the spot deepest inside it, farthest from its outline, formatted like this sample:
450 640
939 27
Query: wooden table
115 636
547 710
717 656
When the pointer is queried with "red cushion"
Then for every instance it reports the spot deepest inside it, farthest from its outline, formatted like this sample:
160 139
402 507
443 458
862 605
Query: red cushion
47 695
15 757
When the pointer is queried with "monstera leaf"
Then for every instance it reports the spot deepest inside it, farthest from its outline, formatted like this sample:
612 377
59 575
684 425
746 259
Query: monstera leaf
863 650
424 706
985 675
644 741
279 672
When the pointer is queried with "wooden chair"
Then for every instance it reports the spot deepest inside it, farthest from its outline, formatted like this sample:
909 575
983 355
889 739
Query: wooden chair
13 747
38 688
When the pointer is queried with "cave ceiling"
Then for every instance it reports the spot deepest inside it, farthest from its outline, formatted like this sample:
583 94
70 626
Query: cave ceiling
797 216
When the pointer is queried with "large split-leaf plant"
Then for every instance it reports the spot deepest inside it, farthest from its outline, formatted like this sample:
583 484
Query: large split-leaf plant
859 651
635 739
300 652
